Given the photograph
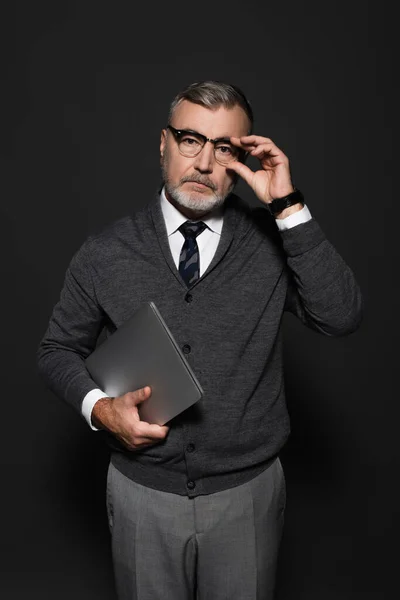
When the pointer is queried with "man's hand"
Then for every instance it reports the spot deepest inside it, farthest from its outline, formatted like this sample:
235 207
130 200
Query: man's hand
273 180
120 416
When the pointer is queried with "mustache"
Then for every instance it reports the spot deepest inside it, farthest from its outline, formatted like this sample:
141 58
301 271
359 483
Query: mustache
199 179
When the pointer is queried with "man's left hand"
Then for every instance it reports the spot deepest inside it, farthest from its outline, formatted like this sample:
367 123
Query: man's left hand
273 180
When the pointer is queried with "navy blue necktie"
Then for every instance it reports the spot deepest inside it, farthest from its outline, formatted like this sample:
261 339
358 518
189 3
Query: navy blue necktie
189 263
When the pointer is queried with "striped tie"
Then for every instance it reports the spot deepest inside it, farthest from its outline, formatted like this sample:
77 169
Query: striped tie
189 263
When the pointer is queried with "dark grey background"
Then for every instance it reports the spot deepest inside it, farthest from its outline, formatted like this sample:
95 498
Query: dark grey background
85 92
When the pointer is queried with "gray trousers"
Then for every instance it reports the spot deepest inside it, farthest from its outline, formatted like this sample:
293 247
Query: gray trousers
221 546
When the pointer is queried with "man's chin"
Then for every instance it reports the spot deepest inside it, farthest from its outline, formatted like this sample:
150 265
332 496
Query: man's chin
199 203
201 207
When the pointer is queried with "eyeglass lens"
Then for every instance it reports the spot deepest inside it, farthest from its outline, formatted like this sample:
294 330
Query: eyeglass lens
190 145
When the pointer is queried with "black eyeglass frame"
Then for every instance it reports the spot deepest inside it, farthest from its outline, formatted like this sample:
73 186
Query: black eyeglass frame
178 133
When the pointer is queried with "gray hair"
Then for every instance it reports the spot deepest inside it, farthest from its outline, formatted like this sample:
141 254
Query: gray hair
212 94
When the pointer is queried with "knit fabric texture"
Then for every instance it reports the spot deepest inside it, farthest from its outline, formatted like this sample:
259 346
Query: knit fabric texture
231 320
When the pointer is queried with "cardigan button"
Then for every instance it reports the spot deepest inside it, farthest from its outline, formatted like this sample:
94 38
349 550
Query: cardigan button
190 448
186 349
191 485
188 297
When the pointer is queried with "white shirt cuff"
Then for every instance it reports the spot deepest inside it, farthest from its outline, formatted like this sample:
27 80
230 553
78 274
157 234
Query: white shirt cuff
88 403
301 216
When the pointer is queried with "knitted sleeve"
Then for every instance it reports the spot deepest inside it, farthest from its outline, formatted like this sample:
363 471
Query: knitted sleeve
322 289
72 332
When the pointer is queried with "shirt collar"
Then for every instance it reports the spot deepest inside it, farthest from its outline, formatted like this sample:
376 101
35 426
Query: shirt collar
174 218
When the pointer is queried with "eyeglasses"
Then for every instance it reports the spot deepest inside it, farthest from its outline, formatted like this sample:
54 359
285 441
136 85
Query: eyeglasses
190 144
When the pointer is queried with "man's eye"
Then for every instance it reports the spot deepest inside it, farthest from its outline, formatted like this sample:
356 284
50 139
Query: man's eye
189 141
227 150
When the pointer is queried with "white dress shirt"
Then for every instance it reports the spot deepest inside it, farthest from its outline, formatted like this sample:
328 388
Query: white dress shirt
207 242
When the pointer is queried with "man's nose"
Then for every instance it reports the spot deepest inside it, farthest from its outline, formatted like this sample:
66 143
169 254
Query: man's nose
205 159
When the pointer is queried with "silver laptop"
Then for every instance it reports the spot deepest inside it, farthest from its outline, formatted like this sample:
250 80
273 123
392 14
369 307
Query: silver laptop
143 352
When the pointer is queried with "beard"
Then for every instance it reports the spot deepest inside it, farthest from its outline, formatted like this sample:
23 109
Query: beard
194 201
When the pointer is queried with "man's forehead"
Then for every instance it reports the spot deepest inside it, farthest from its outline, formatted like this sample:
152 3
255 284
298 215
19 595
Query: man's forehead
213 122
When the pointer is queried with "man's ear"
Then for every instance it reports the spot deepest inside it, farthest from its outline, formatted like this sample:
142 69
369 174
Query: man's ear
163 141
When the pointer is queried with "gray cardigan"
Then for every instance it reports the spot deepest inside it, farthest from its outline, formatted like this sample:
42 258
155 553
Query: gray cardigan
231 319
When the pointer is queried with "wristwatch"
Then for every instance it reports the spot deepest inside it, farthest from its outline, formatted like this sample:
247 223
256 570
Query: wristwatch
279 204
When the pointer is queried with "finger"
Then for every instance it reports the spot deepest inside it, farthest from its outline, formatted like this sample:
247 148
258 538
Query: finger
151 431
253 143
129 445
255 140
237 142
140 395
266 150
242 170
157 431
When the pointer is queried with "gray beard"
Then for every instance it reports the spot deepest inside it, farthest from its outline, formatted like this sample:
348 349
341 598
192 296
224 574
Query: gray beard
191 200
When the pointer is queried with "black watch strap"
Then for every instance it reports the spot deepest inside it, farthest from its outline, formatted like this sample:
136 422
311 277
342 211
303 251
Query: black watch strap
279 204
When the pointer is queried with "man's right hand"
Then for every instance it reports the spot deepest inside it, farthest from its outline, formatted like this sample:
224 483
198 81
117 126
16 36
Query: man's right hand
120 416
